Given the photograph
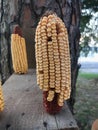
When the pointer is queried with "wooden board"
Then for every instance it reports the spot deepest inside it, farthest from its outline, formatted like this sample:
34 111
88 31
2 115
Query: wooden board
24 107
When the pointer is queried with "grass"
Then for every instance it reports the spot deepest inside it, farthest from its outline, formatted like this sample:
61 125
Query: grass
88 75
86 106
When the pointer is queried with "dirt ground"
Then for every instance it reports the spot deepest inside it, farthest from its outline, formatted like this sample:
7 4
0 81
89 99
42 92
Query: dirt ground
86 106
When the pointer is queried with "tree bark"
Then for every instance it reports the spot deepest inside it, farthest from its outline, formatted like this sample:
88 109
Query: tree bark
15 12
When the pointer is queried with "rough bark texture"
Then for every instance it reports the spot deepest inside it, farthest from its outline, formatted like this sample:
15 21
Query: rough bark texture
27 13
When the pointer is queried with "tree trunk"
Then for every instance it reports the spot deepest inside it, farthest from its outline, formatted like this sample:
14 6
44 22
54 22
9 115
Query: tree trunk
27 13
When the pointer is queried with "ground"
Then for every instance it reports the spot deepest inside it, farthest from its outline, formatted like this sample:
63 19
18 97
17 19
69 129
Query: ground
86 106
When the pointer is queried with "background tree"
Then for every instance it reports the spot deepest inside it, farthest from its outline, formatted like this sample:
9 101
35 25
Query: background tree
27 13
89 7
89 25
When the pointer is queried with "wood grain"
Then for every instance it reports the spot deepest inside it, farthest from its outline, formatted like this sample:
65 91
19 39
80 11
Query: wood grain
24 107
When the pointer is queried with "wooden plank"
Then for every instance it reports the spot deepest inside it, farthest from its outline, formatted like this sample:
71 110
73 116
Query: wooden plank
49 121
24 107
22 110
65 120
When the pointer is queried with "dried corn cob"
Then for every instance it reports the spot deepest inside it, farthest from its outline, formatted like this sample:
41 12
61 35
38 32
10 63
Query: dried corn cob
18 50
1 99
53 58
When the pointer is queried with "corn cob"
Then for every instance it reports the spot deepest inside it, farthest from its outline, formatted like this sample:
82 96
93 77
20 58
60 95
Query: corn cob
1 99
18 50
53 58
